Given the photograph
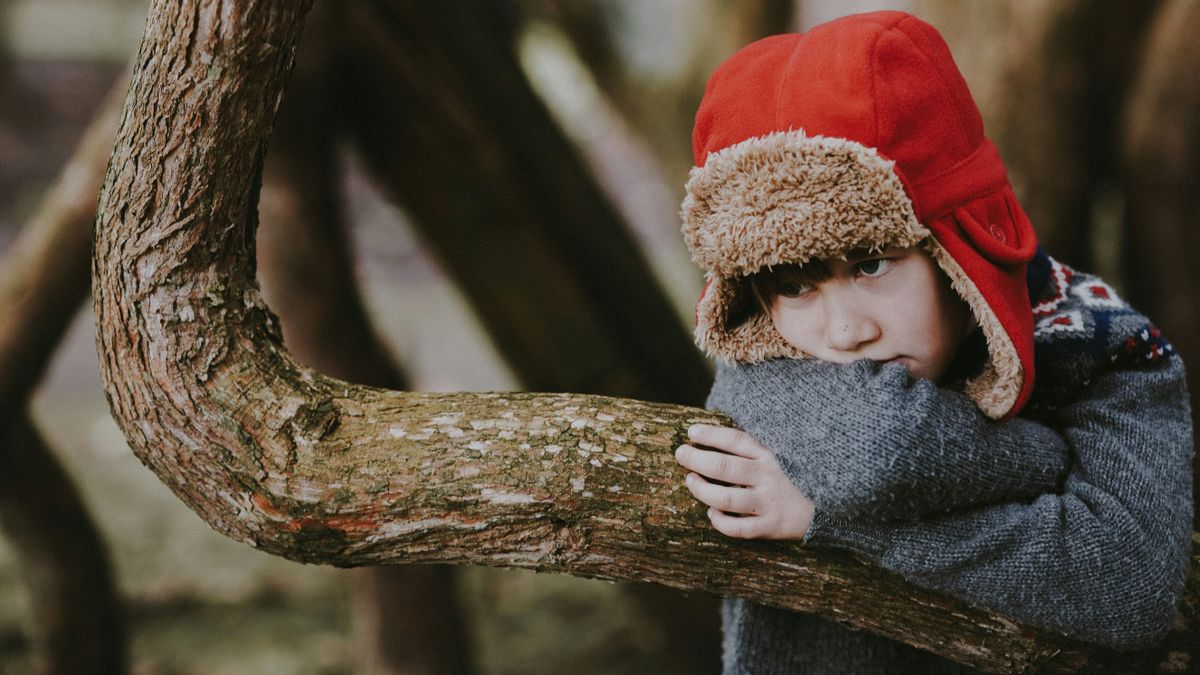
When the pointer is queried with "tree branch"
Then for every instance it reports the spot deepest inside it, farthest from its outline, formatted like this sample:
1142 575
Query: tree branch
318 470
455 133
77 614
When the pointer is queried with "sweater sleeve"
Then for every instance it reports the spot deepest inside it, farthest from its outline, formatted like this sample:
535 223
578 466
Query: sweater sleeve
1103 560
871 442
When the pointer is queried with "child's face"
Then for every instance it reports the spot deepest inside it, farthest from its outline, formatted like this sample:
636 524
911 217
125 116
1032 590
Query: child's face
896 305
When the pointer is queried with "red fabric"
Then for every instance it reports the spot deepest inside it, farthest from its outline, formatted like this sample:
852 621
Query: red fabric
887 80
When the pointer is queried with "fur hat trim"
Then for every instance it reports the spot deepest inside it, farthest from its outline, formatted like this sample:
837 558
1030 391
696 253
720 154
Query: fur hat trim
786 197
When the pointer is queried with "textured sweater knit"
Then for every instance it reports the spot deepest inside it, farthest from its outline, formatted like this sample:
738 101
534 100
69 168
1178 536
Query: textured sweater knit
1074 517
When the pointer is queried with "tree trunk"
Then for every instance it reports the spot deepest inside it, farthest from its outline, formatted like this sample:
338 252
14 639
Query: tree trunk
1051 78
77 619
320 470
661 106
1162 169
77 616
406 618
755 19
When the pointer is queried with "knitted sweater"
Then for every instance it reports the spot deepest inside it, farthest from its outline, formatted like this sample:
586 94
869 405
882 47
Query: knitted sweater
1075 517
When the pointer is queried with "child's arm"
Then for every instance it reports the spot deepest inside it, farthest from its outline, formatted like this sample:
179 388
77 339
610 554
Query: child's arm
1105 560
868 441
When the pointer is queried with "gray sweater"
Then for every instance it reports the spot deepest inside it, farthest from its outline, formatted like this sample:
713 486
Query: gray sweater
1078 521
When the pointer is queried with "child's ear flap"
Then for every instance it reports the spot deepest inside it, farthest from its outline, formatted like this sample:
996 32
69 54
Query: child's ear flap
998 228
732 326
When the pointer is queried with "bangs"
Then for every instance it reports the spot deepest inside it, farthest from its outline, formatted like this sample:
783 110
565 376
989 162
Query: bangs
770 282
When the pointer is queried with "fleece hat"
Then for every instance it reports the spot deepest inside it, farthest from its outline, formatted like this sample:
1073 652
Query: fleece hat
860 133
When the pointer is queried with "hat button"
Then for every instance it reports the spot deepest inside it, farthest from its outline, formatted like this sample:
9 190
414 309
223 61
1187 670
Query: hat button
997 233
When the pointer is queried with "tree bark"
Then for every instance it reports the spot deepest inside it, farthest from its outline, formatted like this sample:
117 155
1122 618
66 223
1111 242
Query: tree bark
1162 169
319 470
77 616
407 618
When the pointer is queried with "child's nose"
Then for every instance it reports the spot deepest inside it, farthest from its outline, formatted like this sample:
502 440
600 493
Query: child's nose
847 329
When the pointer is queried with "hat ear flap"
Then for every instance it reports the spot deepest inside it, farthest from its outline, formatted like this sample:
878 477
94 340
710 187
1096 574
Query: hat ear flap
998 228
997 389
731 326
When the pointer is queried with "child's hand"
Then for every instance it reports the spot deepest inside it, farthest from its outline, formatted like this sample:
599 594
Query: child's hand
759 502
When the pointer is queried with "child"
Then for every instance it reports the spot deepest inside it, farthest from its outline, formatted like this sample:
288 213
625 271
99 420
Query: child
878 305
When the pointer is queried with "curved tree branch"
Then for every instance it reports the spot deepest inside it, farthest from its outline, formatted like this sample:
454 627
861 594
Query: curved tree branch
318 470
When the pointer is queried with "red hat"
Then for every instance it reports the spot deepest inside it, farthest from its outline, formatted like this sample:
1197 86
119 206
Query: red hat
858 133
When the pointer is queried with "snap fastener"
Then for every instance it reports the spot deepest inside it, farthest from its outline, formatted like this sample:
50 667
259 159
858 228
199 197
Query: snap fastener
997 233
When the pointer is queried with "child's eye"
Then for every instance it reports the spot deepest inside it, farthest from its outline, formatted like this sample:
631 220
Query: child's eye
874 267
791 289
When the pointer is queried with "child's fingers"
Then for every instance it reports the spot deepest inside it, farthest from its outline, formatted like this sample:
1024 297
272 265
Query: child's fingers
736 526
729 499
715 465
726 438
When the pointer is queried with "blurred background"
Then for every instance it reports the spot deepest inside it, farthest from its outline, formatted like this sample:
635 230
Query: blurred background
457 195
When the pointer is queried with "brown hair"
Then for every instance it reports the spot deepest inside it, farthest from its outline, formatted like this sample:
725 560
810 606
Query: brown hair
770 282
